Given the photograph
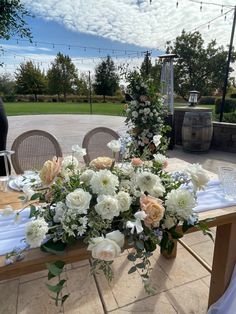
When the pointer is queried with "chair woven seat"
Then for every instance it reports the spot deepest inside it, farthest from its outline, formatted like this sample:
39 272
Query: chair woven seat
95 142
32 149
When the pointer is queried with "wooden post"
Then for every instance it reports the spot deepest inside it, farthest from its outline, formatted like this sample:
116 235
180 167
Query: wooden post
223 262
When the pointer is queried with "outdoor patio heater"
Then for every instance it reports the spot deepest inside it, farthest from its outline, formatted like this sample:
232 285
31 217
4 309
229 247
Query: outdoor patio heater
167 89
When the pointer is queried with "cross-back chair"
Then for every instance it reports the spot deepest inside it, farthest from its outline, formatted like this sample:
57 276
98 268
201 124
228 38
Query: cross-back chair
95 142
32 149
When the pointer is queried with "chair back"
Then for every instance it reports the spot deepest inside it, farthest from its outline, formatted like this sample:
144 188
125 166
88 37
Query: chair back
32 149
95 142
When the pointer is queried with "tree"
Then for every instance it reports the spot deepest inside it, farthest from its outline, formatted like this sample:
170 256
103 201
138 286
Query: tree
30 80
62 76
197 67
7 86
146 66
12 14
106 78
82 85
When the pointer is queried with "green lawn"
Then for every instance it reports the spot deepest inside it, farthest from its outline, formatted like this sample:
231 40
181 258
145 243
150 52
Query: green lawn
31 108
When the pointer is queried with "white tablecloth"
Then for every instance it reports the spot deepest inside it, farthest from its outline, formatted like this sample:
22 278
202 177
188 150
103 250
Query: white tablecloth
212 198
12 234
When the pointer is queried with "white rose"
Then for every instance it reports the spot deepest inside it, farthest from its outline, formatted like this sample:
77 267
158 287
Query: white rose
108 248
79 200
198 175
116 236
124 201
114 145
157 191
107 207
135 114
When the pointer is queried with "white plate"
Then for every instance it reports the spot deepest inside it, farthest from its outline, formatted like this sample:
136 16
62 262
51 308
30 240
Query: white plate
31 179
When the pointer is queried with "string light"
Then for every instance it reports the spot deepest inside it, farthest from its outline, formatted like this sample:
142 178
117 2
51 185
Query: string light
177 4
201 7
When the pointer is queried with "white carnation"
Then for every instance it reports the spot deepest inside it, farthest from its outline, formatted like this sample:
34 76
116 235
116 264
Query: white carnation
146 181
79 200
104 182
107 207
180 202
198 175
124 201
114 145
35 232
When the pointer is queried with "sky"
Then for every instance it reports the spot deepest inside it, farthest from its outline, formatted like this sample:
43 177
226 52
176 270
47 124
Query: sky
89 30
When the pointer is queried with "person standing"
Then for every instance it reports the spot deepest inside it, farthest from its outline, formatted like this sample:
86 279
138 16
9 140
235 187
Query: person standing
3 136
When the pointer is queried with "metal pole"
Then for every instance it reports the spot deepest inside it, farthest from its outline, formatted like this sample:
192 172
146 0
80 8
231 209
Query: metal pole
171 87
90 95
227 67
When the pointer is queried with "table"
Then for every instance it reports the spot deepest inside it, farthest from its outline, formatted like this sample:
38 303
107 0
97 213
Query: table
223 261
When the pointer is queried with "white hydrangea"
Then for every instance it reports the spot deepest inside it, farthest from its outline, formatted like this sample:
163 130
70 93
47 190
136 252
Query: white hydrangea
169 222
198 175
104 182
79 200
180 202
107 207
124 201
114 145
125 168
86 176
146 181
35 232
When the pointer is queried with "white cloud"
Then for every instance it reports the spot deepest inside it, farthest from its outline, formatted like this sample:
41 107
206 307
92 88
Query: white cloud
25 48
136 21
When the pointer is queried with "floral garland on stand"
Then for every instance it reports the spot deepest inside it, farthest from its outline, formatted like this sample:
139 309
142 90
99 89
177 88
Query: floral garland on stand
111 206
145 120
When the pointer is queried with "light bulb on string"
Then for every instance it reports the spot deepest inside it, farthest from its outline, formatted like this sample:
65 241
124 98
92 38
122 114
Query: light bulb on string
177 5
53 46
208 26
201 7
222 9
85 49
69 47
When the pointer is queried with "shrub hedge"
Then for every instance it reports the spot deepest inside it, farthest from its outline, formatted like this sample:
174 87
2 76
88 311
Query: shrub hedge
207 100
230 105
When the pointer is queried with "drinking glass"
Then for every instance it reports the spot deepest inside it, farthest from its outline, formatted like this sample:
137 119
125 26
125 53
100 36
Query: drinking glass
227 176
4 179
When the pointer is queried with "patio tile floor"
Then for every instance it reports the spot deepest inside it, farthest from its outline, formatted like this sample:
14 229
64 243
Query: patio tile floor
182 284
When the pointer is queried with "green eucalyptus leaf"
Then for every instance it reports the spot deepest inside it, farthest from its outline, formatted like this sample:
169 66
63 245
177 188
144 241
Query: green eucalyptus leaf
58 287
33 211
55 268
132 270
57 248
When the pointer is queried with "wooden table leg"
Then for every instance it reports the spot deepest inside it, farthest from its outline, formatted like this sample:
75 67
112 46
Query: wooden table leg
224 261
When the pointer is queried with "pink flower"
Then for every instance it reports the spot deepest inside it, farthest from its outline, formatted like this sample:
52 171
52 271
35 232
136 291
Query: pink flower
153 208
136 161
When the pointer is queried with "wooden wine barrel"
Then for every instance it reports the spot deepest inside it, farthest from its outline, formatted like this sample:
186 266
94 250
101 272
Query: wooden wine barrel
197 131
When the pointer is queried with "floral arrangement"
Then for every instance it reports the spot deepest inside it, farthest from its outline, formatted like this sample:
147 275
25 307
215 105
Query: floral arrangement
111 206
145 118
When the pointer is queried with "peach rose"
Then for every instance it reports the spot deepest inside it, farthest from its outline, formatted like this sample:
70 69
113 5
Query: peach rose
101 163
153 208
165 164
50 170
136 161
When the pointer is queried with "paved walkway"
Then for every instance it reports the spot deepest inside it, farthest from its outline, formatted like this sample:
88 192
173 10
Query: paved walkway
182 284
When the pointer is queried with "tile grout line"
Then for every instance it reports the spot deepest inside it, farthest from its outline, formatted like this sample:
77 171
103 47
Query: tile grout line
17 297
99 292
